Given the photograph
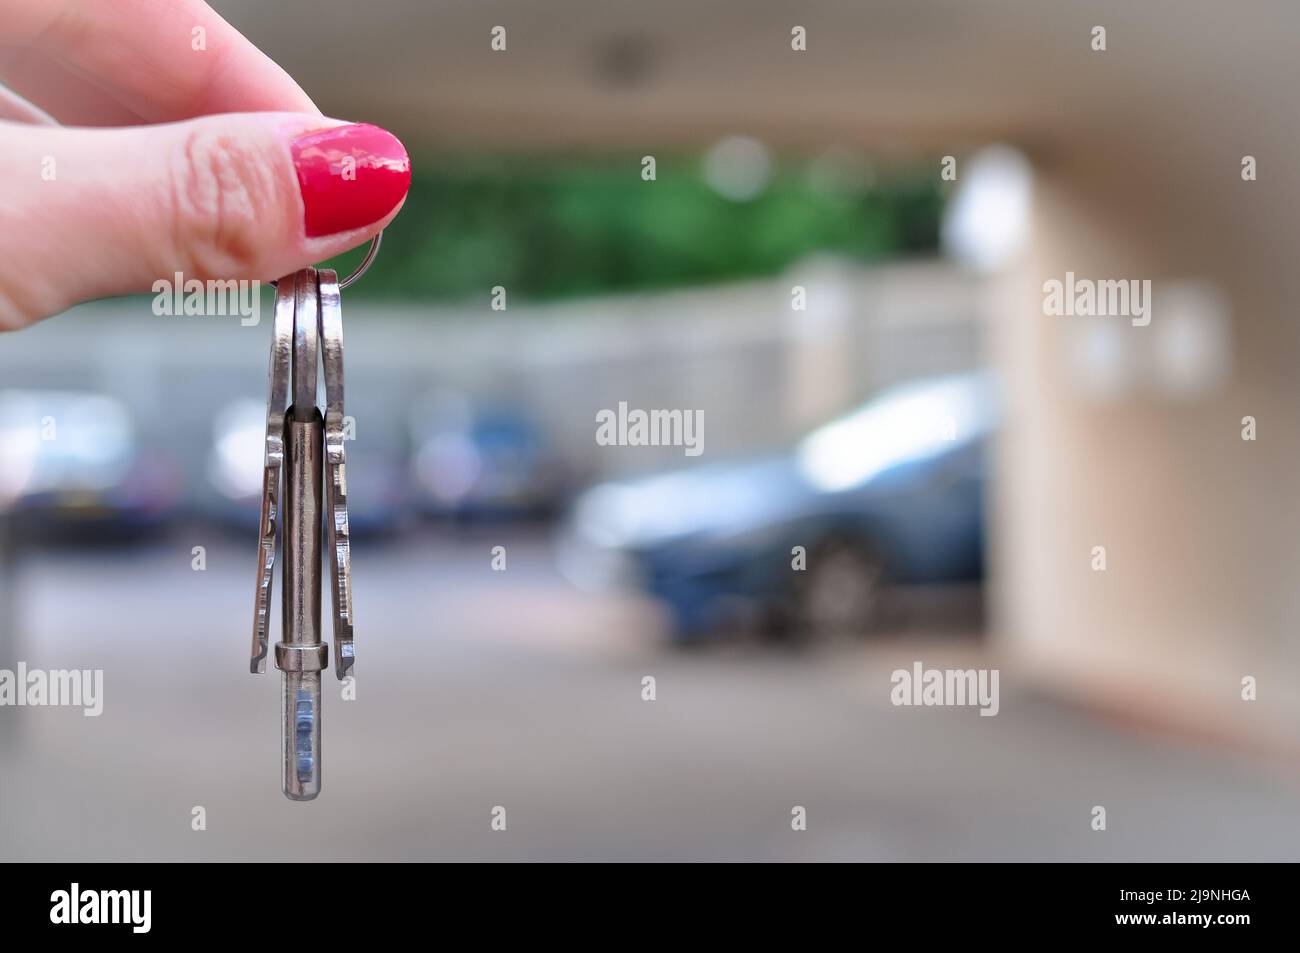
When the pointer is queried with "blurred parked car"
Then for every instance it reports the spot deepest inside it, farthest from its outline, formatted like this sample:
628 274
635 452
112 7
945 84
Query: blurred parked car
70 463
481 462
378 488
891 493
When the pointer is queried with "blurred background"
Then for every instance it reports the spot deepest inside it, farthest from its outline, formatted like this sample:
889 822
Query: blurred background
880 390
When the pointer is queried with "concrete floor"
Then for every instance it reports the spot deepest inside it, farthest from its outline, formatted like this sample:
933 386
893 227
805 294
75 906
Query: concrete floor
479 688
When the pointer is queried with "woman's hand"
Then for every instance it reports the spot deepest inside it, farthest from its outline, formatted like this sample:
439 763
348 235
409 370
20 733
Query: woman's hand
217 166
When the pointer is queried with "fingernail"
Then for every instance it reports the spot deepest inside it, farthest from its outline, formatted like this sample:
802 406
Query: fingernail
350 176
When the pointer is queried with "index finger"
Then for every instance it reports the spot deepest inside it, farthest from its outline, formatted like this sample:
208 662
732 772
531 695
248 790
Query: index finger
163 60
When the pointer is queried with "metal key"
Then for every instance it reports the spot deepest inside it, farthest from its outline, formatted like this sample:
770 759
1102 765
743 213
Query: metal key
336 482
305 449
273 463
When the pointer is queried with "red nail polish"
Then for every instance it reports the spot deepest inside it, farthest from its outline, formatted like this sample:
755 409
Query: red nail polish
350 176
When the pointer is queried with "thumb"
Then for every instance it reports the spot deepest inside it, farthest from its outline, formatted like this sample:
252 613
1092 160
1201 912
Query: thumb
86 213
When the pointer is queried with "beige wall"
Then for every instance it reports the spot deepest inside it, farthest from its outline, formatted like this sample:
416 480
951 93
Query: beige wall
1202 529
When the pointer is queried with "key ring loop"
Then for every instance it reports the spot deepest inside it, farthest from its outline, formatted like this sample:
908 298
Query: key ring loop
366 262
371 253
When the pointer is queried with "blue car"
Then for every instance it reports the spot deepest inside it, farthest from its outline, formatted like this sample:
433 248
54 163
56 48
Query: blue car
73 466
481 462
802 543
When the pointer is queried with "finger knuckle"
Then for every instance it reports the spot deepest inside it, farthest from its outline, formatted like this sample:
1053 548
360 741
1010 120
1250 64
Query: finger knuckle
222 190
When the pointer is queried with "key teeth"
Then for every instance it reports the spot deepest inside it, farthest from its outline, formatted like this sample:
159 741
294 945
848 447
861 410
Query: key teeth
338 533
278 375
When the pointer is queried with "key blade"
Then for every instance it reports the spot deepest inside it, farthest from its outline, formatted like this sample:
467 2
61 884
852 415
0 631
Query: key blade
272 465
336 484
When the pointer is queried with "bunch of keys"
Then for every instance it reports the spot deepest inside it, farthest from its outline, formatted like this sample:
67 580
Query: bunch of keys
305 449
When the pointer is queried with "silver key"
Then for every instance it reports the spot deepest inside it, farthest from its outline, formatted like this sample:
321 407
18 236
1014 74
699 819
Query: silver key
337 534
273 462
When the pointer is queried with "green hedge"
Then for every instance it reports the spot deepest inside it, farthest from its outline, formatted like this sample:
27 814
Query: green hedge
547 228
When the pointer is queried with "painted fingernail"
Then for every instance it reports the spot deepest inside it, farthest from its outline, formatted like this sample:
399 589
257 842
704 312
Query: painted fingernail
350 176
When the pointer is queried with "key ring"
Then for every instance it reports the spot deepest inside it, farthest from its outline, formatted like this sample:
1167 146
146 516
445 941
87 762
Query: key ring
366 262
371 253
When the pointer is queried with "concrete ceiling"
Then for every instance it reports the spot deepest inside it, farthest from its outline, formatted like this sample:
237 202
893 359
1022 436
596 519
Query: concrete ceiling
935 74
